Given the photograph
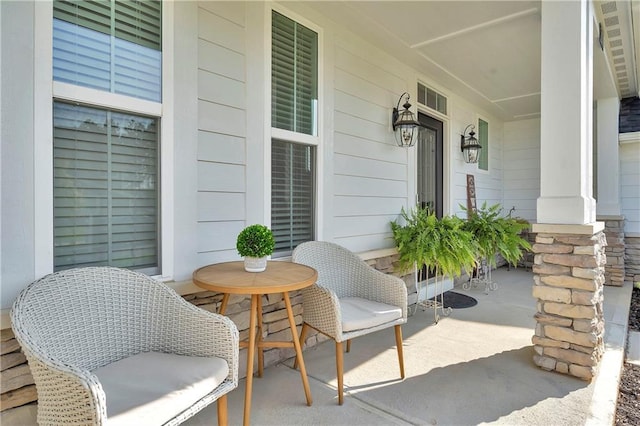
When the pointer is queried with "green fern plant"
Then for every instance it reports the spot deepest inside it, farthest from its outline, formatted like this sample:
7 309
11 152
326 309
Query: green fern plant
441 244
495 234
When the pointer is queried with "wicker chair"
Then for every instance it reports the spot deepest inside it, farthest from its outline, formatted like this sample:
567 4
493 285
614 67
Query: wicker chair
112 346
350 299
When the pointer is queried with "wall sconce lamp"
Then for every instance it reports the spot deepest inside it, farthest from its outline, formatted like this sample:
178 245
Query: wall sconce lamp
405 124
469 146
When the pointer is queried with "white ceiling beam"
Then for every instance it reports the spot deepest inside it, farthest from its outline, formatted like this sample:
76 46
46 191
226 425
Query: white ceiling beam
480 26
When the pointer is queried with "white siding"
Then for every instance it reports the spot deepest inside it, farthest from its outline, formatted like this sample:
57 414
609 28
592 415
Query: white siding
370 171
630 187
17 264
522 167
488 183
221 130
217 60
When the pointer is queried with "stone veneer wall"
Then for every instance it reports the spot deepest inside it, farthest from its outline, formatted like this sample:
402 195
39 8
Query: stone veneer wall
632 258
16 381
568 283
614 273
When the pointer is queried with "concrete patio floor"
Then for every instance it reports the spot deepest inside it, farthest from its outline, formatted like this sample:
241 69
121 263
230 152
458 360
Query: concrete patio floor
472 367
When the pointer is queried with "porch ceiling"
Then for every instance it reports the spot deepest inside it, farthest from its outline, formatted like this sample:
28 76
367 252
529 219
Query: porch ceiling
486 51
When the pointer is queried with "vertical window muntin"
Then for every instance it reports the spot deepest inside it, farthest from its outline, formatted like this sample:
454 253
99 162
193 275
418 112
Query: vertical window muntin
136 100
294 122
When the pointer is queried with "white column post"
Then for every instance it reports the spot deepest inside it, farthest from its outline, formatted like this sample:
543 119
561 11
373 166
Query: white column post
566 114
569 250
608 172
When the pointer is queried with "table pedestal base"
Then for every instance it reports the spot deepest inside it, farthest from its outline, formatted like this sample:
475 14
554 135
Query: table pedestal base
255 321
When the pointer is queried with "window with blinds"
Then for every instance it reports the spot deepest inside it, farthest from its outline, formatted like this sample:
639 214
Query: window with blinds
105 189
292 194
483 140
109 45
294 104
294 76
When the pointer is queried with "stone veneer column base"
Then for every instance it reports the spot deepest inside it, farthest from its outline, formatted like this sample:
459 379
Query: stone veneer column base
614 230
568 285
632 261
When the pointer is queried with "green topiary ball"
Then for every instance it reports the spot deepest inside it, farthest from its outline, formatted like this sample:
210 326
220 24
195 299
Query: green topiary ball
255 241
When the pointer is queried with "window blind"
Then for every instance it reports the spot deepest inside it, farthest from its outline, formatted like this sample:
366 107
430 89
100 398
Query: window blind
483 140
109 45
105 189
294 76
292 194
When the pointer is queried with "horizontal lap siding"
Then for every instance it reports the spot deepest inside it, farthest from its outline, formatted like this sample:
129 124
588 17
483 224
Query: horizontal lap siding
522 167
369 171
221 129
489 183
630 186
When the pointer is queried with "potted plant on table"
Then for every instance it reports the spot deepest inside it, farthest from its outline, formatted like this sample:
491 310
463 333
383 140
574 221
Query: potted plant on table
255 243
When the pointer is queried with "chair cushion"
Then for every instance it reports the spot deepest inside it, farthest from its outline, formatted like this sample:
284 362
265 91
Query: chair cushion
151 388
359 313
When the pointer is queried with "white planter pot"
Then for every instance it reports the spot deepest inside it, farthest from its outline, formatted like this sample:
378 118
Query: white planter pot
255 264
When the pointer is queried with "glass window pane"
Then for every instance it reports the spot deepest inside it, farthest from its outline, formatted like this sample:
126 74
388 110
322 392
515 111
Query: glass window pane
294 76
292 194
431 99
422 94
105 189
483 140
120 55
442 103
81 56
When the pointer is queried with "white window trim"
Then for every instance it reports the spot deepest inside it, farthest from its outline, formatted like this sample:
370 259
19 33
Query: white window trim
46 91
43 139
290 136
102 99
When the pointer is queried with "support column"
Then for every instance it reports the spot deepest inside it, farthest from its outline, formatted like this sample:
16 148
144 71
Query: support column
569 275
566 114
569 250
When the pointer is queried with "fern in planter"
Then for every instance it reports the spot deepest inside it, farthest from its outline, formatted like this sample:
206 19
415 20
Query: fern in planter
442 244
495 234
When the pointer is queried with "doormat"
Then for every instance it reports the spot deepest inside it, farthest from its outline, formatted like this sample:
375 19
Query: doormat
454 300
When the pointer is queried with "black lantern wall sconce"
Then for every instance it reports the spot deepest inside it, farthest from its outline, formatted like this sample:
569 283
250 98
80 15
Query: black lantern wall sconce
469 145
404 123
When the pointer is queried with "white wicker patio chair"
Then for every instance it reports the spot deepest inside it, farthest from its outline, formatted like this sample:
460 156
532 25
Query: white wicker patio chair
350 299
109 346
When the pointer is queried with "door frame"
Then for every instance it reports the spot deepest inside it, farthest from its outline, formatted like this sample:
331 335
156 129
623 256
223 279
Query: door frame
446 161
